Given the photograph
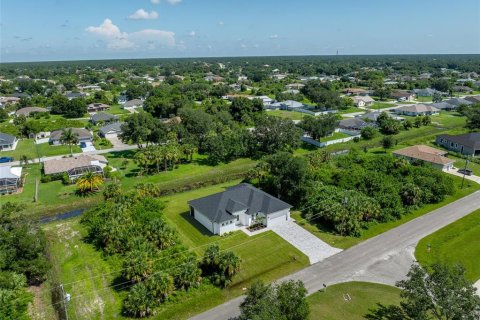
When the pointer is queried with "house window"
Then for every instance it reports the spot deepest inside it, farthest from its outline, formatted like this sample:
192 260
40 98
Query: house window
456 145
223 224
238 218
451 144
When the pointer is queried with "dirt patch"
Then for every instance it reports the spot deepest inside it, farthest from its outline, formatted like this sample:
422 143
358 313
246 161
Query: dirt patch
39 310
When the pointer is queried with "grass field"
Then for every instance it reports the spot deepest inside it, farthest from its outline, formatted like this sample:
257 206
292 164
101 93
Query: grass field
381 105
292 115
26 147
424 99
376 229
335 136
265 256
332 305
458 242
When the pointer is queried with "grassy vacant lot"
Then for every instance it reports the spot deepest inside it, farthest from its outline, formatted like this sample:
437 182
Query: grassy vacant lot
458 242
26 147
381 105
331 305
350 110
335 136
264 256
424 99
292 115
374 230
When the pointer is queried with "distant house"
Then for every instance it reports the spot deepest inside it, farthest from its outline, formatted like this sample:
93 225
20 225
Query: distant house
265 99
354 124
458 102
10 179
402 96
239 206
83 135
135 103
110 130
75 95
467 144
417 110
462 89
122 99
362 101
444 106
427 154
428 92
75 166
8 100
473 99
371 116
214 78
97 107
27 111
287 105
294 86
8 142
103 117
356 91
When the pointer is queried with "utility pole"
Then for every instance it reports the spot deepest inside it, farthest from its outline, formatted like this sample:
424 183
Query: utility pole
464 171
65 299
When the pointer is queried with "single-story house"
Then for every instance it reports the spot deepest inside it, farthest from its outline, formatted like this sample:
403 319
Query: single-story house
355 124
417 110
122 99
75 166
75 95
10 179
372 116
462 89
135 103
467 144
9 100
444 106
402 96
362 101
265 99
473 99
356 91
294 86
96 107
458 102
110 130
8 142
27 111
426 154
83 135
239 206
427 92
287 105
103 117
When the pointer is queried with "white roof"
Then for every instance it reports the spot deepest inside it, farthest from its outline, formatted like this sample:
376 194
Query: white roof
10 172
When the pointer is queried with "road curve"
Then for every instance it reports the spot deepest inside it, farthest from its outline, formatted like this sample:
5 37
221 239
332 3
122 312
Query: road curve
385 258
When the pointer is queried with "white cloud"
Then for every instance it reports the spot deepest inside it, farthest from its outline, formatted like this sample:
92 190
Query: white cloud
192 33
243 45
274 36
174 1
141 14
117 39
221 23
155 1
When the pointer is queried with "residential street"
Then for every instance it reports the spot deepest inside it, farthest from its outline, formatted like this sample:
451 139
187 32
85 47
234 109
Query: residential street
385 258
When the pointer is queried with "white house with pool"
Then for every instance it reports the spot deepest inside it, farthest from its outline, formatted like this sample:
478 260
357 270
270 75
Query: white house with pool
239 206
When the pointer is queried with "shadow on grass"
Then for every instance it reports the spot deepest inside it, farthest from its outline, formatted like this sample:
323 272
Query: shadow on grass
204 231
122 154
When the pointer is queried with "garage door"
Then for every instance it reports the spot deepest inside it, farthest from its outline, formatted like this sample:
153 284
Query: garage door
111 135
276 218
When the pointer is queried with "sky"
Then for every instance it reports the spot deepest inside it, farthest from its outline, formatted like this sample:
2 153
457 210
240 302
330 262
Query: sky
51 30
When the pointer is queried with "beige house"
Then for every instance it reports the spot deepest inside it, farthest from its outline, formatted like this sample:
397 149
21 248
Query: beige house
426 154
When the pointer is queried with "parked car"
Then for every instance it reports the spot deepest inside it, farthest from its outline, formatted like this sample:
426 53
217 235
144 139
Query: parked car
468 172
6 159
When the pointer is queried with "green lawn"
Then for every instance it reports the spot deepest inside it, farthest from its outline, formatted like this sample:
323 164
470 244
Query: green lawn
335 136
460 164
350 110
27 147
424 99
333 304
117 109
376 229
458 242
265 256
381 105
292 115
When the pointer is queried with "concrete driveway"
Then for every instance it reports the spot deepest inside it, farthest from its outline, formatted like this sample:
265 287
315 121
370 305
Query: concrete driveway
116 142
454 171
314 248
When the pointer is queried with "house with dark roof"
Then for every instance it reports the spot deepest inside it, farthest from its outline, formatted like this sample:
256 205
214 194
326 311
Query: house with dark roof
458 102
443 105
467 144
239 206
83 135
96 107
402 96
473 99
110 130
75 95
8 142
103 117
355 124
417 110
27 111
135 103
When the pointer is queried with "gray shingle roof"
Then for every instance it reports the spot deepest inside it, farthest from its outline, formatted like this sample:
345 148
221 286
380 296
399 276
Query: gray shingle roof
80 132
444 105
7 138
470 140
458 101
133 103
103 116
111 128
219 206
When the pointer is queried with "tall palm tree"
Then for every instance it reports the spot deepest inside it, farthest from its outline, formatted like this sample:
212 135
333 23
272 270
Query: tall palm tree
69 137
89 182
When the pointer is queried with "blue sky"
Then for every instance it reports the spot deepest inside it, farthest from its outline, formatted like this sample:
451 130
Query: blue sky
38 30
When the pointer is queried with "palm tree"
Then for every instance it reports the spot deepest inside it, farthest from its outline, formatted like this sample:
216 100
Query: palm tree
24 159
69 137
160 285
89 182
229 264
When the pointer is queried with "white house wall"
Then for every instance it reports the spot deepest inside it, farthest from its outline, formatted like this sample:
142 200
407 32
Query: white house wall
278 217
228 227
203 220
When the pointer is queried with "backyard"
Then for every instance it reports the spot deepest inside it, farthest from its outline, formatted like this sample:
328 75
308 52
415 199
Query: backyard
27 147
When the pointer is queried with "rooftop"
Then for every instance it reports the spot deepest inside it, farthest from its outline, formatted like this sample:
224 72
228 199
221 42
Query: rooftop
65 164
424 153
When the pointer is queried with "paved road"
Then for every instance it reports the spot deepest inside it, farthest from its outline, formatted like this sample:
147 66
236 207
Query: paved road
385 258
